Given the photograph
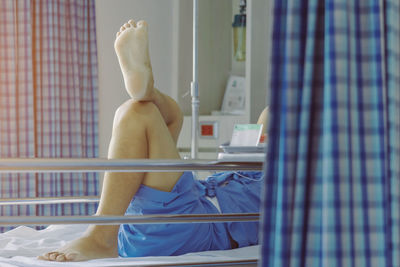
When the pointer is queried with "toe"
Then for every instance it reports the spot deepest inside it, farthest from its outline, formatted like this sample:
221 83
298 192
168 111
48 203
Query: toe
142 23
132 22
47 255
127 25
43 257
53 256
122 29
118 33
60 257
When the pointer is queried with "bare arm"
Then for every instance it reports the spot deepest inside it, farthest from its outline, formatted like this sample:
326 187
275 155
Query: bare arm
263 119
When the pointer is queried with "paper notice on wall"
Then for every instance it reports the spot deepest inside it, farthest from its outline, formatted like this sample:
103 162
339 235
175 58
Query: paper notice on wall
235 94
246 135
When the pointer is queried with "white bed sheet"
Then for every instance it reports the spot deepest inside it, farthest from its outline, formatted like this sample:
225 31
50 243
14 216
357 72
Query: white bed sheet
19 247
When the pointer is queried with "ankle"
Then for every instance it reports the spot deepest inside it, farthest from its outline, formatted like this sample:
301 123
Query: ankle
104 235
155 96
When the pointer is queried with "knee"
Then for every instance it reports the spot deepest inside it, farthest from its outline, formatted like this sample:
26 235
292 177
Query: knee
135 111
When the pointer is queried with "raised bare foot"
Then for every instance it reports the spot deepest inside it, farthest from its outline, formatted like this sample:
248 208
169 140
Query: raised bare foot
82 249
132 48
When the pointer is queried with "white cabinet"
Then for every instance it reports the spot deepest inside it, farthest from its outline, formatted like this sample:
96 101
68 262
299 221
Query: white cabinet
208 147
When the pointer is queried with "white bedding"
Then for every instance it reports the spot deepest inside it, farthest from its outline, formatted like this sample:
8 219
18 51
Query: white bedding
19 247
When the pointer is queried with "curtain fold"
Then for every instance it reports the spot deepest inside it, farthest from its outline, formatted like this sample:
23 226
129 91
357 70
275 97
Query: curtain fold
48 94
332 193
16 108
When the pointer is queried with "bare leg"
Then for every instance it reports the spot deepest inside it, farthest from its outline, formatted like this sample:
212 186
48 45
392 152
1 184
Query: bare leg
131 47
144 127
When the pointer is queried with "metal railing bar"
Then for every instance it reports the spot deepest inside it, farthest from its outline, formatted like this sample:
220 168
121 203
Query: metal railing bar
40 165
129 219
200 150
48 200
215 263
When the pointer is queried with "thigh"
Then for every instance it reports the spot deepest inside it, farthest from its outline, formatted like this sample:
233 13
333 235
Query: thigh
161 145
140 132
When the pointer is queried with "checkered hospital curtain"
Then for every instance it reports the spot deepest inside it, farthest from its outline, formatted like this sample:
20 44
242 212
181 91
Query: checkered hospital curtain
332 190
48 98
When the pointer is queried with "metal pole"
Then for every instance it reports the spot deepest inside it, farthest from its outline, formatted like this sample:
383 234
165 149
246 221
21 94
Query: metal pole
195 85
40 165
136 219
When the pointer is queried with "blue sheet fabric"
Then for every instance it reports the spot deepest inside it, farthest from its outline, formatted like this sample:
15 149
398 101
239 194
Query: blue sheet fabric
236 192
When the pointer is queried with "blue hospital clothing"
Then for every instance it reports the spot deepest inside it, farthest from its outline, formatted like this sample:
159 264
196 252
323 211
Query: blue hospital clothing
235 193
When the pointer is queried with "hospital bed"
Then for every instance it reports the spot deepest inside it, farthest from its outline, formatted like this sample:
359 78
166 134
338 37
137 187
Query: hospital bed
19 246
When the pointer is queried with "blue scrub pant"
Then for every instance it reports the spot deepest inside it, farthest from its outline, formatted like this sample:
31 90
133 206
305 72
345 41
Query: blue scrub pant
237 192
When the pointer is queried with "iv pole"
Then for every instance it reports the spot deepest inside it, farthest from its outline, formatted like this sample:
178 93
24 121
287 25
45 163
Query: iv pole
195 85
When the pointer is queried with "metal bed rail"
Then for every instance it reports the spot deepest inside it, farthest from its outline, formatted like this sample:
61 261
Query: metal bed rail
129 219
42 165
30 165
216 263
48 200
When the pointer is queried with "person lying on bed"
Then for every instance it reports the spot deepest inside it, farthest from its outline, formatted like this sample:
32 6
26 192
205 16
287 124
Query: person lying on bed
147 126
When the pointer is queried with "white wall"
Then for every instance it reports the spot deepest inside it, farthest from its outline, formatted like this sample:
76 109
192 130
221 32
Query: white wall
258 27
110 15
214 53
170 33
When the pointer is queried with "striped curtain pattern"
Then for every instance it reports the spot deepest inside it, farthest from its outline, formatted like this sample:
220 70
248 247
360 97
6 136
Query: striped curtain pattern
48 94
332 193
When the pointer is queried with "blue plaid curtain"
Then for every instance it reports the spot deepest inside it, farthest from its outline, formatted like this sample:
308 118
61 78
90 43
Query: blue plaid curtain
332 193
